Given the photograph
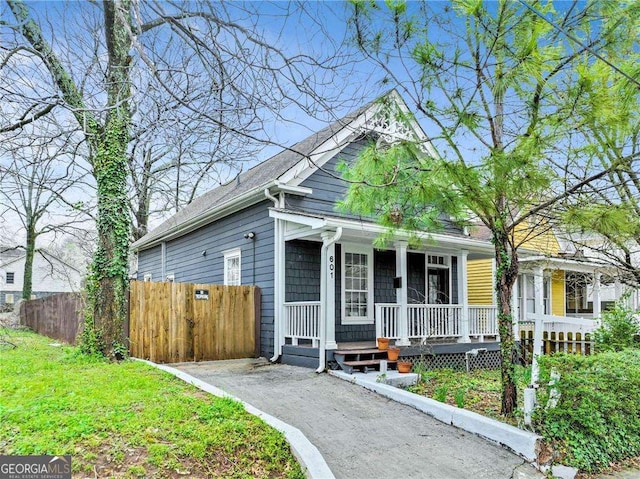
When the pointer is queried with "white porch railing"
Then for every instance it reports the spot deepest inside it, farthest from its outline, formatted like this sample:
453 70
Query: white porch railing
302 321
560 324
434 320
387 320
483 321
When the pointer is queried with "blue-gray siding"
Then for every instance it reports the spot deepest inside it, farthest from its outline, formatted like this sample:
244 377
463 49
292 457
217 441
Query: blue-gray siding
185 258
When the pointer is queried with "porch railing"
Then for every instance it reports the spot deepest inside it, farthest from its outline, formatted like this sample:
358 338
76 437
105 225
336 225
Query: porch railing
387 320
483 321
434 320
302 321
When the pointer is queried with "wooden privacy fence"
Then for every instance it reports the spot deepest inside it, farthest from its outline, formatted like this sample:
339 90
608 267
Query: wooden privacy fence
59 316
175 322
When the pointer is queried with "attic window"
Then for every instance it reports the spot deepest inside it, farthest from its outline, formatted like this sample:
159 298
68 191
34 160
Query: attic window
10 277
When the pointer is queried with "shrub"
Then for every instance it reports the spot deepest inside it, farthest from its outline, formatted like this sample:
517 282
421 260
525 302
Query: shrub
597 417
619 327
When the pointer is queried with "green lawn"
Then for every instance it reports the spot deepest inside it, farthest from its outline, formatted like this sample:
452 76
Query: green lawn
127 419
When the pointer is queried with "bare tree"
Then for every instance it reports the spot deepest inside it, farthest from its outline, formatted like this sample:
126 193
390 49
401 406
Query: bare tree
42 188
144 82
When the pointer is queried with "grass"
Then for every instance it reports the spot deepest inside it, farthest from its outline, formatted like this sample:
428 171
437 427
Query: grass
478 390
127 419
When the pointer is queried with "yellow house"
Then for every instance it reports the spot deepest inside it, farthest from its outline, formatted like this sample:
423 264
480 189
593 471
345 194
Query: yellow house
550 281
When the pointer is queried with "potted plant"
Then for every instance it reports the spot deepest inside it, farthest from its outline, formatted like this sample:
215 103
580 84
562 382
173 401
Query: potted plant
404 366
383 344
393 353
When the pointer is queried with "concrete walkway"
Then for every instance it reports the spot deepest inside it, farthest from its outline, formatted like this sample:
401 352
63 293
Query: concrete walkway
360 434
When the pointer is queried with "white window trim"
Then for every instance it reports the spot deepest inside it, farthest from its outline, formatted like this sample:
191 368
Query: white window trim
230 254
358 249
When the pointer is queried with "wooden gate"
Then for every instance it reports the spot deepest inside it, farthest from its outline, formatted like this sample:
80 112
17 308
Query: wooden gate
175 322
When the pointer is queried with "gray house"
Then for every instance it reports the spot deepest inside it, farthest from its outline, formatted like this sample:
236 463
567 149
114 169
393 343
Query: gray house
324 284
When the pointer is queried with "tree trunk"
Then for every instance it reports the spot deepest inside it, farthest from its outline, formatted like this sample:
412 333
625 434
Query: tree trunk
506 274
30 247
109 282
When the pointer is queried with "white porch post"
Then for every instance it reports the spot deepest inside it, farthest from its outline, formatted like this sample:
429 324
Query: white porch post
401 293
329 301
463 297
525 291
515 314
618 289
538 290
596 295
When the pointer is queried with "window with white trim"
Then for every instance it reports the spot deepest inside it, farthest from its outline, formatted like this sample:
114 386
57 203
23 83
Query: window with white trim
11 277
232 267
357 285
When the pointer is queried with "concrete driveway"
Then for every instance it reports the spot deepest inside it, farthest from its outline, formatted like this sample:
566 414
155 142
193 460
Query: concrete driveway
360 434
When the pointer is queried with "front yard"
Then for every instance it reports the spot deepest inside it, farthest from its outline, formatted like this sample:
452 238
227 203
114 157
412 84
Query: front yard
127 419
478 390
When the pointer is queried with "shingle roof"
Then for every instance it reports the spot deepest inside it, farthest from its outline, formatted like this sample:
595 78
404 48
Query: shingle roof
260 175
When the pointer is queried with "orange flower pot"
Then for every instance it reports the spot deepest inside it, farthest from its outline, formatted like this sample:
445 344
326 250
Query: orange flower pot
393 353
404 366
383 344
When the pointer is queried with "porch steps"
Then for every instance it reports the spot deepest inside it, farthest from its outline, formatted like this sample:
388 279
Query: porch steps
361 359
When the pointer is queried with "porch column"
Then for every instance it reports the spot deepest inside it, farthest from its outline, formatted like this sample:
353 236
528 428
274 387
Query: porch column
596 295
515 314
538 290
329 301
463 297
401 293
523 304
618 289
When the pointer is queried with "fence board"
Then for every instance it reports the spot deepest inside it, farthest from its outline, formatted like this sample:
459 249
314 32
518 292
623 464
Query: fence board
59 316
169 325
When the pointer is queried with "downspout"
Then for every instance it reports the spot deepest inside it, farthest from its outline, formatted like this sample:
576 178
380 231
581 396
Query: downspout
323 297
277 286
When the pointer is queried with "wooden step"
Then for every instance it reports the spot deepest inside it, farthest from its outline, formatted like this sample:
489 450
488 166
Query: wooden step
367 362
359 351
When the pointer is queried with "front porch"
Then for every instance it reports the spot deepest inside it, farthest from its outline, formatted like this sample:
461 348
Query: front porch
435 331
420 323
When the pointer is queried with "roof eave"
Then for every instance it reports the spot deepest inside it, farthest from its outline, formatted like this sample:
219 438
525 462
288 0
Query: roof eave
251 197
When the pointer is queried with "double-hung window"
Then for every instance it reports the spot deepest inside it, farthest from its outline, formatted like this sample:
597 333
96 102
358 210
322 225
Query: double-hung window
232 267
357 284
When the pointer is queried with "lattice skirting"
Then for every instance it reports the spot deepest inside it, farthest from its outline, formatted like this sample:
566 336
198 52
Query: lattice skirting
457 361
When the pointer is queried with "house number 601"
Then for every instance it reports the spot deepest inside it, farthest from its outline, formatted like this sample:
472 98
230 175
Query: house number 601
332 267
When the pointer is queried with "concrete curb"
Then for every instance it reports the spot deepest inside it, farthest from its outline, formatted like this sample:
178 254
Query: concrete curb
523 443
307 454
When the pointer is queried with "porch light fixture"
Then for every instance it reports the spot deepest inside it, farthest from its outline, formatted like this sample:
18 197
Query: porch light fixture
249 235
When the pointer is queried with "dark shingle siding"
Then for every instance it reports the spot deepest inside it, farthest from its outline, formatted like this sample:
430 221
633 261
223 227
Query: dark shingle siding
302 276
